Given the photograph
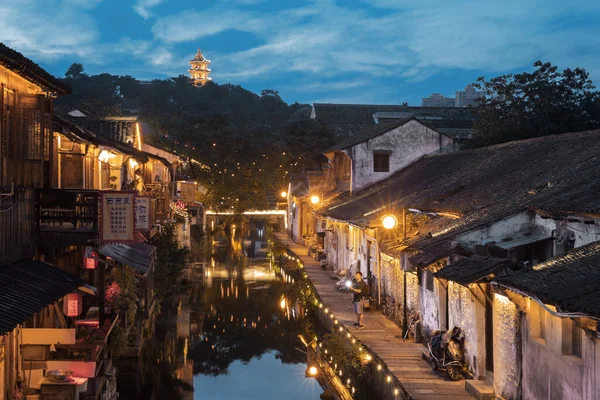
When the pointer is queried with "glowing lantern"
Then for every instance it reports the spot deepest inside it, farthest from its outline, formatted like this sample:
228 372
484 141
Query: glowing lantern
314 199
312 371
284 194
72 305
90 261
389 222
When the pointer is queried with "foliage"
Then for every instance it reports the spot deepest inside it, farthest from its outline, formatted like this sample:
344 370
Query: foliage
251 142
170 260
532 104
89 334
117 342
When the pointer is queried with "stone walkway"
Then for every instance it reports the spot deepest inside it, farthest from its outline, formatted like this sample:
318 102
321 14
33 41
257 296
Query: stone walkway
382 337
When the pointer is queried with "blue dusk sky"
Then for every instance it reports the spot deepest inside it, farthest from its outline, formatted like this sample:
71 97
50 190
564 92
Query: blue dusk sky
355 51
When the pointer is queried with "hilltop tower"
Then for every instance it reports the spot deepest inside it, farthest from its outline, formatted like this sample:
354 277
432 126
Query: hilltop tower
199 69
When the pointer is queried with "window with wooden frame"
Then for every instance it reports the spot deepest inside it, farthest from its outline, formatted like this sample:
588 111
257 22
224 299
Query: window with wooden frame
7 123
31 131
571 338
537 320
427 280
381 161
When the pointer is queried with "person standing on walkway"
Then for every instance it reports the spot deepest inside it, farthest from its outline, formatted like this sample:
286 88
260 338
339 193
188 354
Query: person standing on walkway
361 291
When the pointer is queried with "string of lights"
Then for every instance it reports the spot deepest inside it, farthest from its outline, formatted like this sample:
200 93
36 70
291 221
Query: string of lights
337 327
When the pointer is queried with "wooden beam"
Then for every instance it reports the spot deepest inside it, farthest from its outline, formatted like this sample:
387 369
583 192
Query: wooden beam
60 316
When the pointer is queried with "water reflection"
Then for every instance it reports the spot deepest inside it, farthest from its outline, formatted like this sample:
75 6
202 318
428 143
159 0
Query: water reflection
235 336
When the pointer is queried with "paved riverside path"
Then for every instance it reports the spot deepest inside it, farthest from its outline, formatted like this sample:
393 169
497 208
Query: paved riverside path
381 336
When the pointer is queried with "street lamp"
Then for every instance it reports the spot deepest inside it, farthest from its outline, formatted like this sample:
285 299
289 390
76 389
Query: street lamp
283 194
389 221
314 199
312 371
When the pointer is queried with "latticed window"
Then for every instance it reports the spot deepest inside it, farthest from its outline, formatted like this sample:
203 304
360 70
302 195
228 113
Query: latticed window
381 162
31 129
7 123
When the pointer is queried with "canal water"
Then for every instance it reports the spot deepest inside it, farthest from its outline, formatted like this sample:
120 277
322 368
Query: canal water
227 333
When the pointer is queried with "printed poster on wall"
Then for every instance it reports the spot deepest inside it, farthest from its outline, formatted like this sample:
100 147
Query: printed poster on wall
142 213
118 216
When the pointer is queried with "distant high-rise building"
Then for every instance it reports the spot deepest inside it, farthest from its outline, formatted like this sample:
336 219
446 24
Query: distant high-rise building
437 100
199 69
468 97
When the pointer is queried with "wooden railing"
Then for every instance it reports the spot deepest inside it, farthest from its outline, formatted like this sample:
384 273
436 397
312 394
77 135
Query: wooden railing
70 210
163 193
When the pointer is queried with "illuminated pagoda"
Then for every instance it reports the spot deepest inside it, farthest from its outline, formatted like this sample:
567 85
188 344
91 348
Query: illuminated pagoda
199 69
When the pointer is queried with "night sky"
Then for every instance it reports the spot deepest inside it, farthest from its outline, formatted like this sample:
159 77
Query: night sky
370 51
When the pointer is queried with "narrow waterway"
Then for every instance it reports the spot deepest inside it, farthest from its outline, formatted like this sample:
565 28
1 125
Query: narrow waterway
226 334
236 328
247 344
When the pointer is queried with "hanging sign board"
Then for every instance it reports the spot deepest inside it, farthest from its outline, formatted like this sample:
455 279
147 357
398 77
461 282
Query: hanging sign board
142 213
188 192
118 217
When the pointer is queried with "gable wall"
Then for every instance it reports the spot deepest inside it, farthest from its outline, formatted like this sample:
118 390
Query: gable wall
407 144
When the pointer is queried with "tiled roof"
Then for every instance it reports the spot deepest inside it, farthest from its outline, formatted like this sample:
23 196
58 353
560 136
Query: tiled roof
26 68
328 113
27 287
473 269
80 134
569 282
486 184
119 129
367 134
139 256
299 185
436 251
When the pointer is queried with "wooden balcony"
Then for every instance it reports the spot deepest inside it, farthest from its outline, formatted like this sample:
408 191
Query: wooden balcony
163 194
343 185
67 216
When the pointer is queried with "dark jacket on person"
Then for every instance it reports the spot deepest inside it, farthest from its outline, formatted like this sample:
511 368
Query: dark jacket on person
364 291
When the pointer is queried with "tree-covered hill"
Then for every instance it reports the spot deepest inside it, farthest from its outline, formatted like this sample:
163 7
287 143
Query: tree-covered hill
251 142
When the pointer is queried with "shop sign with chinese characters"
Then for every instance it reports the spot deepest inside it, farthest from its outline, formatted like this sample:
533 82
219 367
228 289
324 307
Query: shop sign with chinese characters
118 216
142 213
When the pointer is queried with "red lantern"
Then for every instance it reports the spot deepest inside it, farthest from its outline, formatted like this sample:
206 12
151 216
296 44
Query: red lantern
72 305
91 262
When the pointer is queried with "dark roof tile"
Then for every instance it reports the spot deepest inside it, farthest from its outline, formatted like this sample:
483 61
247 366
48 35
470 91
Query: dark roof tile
569 282
26 68
27 287
473 269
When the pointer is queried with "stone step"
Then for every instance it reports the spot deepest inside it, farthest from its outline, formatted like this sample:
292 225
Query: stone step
479 389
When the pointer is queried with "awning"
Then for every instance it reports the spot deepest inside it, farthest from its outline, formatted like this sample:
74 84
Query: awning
27 287
89 289
139 256
520 239
472 269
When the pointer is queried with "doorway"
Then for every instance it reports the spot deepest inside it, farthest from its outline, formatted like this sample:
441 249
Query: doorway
369 275
489 330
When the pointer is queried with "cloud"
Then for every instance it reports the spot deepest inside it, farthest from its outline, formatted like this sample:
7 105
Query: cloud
57 30
142 7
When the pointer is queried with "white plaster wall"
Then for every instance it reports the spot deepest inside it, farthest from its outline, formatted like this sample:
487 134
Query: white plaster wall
584 233
548 374
295 227
506 344
467 313
412 293
408 143
514 223
429 306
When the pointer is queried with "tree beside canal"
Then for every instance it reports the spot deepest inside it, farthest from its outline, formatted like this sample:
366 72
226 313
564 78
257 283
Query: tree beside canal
170 260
